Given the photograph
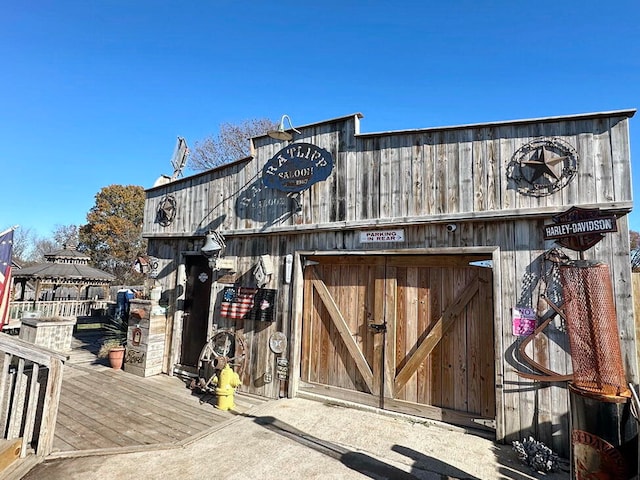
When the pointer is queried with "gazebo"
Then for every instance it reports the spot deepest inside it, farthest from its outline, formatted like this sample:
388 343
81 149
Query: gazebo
65 277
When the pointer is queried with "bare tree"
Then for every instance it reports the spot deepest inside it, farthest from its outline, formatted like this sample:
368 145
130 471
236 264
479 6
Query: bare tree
634 242
231 143
23 239
29 247
66 235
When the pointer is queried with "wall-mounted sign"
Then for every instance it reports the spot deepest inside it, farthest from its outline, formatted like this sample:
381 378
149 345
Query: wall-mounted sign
382 236
282 368
580 228
296 167
523 321
136 336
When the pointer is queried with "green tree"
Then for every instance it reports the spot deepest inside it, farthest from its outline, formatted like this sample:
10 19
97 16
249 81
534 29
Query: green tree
113 233
231 143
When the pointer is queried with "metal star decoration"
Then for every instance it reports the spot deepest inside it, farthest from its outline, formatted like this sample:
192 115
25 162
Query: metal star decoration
542 167
166 211
543 162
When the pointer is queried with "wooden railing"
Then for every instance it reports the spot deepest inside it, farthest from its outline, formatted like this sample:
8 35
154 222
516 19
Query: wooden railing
56 308
30 384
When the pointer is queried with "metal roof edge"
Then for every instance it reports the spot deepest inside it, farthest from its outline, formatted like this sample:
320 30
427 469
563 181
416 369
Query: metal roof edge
581 116
200 174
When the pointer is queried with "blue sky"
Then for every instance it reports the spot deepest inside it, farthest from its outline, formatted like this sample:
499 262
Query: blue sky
95 93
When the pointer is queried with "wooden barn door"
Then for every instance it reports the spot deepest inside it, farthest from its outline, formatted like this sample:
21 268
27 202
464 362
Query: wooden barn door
407 333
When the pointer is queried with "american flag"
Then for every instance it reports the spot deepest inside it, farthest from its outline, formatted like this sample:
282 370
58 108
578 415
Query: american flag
237 302
6 246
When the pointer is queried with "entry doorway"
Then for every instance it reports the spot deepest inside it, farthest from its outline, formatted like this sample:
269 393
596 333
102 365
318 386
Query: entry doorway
195 315
408 333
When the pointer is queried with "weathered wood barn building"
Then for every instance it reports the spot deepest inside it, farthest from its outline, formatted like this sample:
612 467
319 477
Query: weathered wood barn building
386 268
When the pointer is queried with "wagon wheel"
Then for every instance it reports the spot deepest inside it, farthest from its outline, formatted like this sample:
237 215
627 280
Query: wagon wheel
225 347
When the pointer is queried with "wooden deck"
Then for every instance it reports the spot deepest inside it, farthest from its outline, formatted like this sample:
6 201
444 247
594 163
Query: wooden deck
105 410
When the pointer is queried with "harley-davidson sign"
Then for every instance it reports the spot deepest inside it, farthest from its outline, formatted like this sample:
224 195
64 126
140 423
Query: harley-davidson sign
580 228
296 167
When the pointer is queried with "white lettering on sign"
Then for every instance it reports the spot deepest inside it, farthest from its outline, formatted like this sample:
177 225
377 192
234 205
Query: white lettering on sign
382 236
581 227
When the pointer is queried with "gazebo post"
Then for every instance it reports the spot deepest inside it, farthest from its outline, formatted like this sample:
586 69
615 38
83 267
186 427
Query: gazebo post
23 283
37 293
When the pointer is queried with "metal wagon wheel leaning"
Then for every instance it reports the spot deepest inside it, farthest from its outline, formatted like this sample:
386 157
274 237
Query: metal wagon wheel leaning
225 347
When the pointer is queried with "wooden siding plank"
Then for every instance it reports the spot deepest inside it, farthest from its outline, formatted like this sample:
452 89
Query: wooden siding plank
468 177
485 345
452 165
603 168
459 337
401 331
510 380
385 342
379 315
417 193
422 327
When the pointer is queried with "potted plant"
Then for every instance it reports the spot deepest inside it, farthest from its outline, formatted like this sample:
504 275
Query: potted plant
115 338
112 349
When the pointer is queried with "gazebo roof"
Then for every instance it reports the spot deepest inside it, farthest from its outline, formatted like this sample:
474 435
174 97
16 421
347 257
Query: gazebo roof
65 266
64 273
67 252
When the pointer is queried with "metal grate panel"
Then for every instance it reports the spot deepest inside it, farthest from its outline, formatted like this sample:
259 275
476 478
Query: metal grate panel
592 327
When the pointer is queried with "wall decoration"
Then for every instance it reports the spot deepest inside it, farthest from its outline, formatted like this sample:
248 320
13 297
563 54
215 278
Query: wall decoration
263 270
237 302
296 167
136 336
248 303
166 212
264 305
278 342
543 167
524 321
579 229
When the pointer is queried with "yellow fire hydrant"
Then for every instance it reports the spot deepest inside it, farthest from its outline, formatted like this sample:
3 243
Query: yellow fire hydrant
226 386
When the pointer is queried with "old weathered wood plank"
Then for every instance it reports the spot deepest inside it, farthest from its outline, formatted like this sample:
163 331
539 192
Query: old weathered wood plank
486 349
119 406
462 277
508 292
343 330
10 451
439 330
469 180
422 325
399 301
31 410
5 390
116 409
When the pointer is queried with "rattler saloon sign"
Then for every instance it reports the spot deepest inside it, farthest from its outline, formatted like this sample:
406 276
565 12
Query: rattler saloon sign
296 167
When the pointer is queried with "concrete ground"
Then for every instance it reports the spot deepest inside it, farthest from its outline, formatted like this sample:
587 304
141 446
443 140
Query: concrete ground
306 439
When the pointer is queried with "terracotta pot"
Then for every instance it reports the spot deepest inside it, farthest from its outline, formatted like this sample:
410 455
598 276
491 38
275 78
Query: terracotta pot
116 357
